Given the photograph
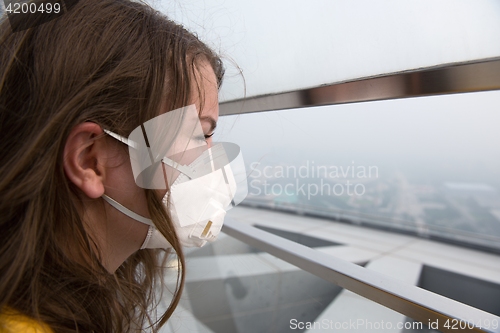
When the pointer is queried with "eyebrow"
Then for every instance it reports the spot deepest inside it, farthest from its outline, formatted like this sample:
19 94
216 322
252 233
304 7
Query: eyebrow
213 123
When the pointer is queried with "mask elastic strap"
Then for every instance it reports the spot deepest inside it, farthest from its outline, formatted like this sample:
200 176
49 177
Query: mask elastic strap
179 167
127 211
182 168
118 137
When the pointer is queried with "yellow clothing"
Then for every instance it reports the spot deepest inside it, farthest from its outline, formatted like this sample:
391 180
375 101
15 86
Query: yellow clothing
13 322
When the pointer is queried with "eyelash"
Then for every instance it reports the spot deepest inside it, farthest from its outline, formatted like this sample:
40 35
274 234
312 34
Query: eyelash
208 136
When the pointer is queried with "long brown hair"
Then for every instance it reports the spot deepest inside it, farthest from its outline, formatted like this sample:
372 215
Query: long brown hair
112 62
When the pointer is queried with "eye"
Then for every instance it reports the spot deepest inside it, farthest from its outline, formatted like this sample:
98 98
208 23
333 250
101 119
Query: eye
208 136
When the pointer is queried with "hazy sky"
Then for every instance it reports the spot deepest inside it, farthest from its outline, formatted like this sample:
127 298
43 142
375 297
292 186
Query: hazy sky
453 136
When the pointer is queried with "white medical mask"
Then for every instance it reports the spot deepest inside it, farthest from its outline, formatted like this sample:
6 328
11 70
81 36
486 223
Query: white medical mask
197 206
203 190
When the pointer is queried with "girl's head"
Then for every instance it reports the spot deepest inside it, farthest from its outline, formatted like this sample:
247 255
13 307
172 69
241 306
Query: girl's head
106 64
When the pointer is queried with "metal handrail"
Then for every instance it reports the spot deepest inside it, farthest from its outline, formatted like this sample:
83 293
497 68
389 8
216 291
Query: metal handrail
412 301
478 75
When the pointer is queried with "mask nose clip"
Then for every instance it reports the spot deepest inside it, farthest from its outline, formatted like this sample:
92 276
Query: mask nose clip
207 229
210 226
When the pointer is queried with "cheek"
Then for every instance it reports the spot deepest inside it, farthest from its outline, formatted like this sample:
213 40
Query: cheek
138 233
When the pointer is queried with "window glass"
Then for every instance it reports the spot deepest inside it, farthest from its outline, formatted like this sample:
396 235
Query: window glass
232 287
429 166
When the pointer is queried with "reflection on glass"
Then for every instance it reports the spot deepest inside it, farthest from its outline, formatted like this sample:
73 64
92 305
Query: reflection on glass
234 288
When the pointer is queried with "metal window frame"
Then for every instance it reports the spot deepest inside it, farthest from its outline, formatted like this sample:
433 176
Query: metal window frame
480 75
412 301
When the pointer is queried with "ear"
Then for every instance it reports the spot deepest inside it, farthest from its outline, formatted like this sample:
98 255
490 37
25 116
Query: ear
84 159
